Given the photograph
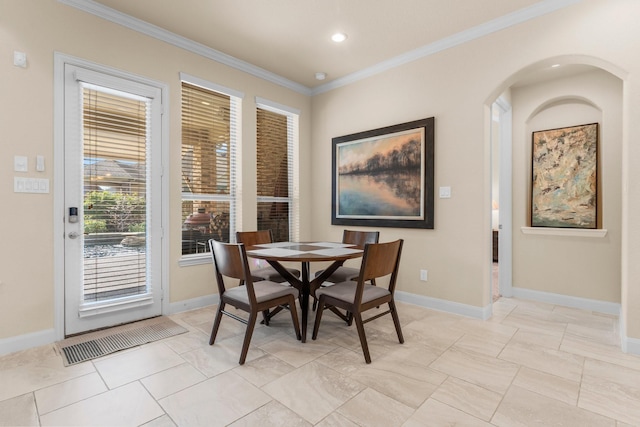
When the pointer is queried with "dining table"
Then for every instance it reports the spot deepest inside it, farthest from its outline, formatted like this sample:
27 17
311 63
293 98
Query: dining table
305 253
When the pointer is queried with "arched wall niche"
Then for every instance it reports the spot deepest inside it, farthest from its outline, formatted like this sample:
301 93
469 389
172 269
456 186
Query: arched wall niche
579 271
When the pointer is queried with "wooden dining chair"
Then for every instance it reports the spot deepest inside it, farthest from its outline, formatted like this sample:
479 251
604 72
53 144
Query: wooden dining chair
230 261
357 296
252 238
343 273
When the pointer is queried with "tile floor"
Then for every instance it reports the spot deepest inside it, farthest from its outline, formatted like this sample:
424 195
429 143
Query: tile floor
531 364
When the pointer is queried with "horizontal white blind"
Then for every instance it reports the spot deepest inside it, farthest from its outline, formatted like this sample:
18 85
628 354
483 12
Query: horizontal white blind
208 167
115 134
275 173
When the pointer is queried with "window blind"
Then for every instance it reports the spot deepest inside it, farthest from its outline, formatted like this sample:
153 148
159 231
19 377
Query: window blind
208 167
115 138
276 141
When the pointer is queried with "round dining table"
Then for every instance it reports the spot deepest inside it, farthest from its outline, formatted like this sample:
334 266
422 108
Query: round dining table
305 253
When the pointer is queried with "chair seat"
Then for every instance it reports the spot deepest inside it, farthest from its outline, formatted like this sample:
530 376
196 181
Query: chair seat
346 291
264 290
270 274
342 274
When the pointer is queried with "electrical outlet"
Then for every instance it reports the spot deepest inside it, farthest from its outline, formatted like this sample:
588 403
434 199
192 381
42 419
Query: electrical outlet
423 275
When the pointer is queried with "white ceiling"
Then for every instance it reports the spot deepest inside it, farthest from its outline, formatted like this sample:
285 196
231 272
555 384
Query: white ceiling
291 38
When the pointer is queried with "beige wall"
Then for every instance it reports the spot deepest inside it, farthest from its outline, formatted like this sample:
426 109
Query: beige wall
576 266
41 28
456 86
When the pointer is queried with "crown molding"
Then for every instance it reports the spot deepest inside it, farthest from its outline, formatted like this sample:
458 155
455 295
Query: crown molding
541 8
156 32
538 9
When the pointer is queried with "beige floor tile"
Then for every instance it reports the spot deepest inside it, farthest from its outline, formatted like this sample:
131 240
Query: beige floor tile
436 414
439 332
187 342
297 353
559 363
584 318
528 337
521 407
163 421
611 390
371 408
217 401
403 375
548 385
478 369
478 344
220 357
595 350
273 414
607 336
534 321
130 404
25 357
467 397
263 370
19 411
336 420
343 360
172 380
313 391
122 368
68 392
37 374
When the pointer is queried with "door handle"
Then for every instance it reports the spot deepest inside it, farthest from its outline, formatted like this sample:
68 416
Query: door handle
73 235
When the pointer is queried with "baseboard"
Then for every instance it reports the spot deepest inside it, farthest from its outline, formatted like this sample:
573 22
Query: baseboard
192 304
568 301
23 342
444 305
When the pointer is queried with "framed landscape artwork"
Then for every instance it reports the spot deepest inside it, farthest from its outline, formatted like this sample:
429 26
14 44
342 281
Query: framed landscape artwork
565 177
384 177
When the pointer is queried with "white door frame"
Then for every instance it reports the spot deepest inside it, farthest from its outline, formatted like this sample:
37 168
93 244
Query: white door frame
505 249
58 182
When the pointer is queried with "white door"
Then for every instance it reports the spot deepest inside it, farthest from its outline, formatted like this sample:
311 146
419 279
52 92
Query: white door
112 200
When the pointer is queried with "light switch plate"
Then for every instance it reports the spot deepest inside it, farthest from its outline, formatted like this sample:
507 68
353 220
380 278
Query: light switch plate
20 163
445 192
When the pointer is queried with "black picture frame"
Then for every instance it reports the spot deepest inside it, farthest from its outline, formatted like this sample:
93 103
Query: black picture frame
384 177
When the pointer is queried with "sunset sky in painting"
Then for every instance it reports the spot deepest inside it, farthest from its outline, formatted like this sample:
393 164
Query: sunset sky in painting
361 150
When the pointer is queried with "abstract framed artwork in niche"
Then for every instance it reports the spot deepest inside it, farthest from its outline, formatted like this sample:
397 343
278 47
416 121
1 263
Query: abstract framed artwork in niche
384 177
565 177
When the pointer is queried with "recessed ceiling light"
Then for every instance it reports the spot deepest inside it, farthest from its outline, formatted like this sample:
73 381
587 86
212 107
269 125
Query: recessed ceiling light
555 65
339 37
321 76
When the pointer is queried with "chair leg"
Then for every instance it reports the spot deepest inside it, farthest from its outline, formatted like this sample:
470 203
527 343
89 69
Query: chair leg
315 304
316 324
265 317
216 323
294 318
396 320
251 323
363 338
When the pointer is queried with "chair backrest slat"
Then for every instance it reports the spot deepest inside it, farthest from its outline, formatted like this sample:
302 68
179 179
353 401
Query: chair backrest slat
252 238
360 238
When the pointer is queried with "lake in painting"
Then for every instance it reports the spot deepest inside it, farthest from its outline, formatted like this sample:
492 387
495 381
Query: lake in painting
388 195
